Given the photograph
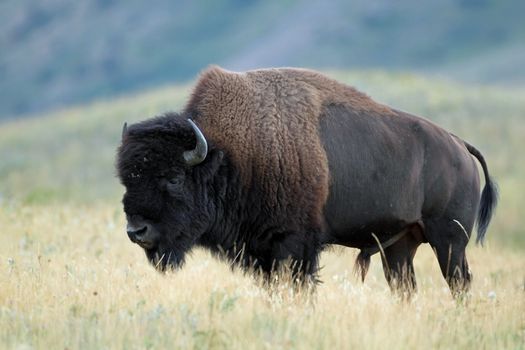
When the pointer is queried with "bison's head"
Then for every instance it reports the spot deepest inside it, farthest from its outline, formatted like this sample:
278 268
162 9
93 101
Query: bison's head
168 172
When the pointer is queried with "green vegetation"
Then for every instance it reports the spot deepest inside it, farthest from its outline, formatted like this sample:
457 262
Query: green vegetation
68 155
61 52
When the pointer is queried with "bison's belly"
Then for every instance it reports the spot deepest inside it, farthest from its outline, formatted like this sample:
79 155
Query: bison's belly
354 211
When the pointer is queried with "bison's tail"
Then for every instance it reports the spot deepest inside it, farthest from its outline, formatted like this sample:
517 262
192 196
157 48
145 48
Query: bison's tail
489 196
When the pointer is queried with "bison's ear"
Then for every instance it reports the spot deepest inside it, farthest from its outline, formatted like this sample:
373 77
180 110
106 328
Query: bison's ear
124 130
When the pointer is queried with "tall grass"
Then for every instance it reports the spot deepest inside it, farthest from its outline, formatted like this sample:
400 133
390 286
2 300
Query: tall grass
69 277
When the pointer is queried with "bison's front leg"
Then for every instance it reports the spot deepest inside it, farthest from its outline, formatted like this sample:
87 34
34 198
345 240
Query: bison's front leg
294 256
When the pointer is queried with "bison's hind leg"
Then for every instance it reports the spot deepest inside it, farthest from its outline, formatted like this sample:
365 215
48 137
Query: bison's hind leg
448 240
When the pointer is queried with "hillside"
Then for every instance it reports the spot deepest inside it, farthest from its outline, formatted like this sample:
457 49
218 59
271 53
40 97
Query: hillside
68 156
57 52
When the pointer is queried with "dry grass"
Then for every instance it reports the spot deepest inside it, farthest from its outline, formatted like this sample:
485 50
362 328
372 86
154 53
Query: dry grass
69 278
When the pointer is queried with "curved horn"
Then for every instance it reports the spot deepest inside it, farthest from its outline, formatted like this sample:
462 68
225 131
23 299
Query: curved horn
197 155
124 130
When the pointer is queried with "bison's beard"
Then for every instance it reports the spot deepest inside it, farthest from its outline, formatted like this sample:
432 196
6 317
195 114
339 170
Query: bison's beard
164 260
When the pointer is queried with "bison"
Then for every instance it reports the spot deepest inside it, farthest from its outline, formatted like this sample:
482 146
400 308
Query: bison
271 166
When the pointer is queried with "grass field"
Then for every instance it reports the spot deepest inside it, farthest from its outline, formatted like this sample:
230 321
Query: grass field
70 278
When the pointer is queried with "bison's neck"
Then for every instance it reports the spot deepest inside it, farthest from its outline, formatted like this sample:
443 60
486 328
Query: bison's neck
239 226
228 197
244 231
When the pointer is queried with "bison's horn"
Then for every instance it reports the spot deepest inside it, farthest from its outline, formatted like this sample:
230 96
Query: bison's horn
197 155
124 130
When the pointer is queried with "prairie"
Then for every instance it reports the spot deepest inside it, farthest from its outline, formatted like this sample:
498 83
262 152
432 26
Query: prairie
70 278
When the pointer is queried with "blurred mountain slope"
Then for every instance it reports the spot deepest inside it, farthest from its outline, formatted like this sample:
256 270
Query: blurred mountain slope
59 52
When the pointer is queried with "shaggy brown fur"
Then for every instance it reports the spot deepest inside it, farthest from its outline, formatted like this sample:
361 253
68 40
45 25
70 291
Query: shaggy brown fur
268 121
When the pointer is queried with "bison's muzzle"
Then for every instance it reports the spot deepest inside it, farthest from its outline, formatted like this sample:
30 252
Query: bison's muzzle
142 233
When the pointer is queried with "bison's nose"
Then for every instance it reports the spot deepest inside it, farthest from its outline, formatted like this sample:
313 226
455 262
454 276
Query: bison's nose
139 234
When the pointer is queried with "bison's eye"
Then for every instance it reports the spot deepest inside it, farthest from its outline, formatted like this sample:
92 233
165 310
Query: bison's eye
176 181
175 184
